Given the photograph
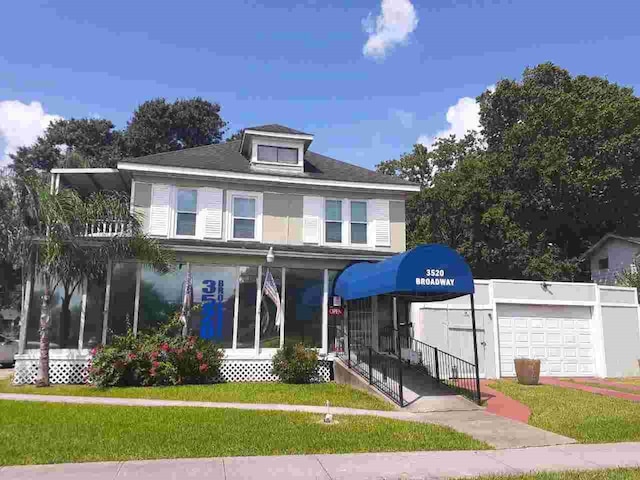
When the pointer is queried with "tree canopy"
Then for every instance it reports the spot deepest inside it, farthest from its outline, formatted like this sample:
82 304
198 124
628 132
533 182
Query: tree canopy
156 126
556 166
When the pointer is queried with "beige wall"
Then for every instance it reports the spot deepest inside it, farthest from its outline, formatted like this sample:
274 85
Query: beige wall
282 218
398 226
282 207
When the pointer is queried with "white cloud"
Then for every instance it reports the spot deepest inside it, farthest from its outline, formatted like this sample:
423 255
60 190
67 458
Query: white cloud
461 117
393 26
21 124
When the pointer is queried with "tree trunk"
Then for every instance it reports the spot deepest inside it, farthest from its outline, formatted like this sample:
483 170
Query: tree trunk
45 328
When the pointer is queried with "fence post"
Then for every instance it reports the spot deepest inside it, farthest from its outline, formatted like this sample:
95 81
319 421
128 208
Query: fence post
437 363
370 368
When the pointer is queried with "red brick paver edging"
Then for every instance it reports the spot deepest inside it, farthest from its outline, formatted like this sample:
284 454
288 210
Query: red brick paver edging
586 388
500 404
607 382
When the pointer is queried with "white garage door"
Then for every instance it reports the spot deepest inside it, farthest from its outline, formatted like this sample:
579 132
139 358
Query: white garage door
560 336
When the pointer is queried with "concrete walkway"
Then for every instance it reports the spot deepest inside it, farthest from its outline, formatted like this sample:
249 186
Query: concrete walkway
497 431
365 466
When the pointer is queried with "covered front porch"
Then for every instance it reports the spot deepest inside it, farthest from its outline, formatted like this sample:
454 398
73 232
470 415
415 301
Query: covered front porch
378 337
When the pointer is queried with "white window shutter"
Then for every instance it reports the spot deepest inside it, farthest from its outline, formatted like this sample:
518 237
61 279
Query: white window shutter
209 221
160 209
381 226
312 219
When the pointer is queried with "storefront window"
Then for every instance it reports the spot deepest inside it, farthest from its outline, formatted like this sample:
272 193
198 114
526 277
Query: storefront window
303 312
93 315
160 296
247 307
269 332
66 305
214 288
122 298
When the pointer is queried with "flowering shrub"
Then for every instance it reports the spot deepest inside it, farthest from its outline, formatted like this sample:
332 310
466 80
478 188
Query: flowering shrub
295 363
160 357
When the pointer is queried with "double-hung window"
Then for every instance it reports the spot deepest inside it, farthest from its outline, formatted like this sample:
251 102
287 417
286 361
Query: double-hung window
244 218
277 154
359 222
186 211
333 221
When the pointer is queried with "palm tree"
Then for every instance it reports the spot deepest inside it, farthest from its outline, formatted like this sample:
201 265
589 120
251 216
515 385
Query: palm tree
64 245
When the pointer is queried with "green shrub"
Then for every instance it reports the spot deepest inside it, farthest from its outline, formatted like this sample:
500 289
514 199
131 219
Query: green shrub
295 364
156 357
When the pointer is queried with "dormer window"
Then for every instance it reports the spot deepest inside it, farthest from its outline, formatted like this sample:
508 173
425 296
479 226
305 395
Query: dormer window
272 154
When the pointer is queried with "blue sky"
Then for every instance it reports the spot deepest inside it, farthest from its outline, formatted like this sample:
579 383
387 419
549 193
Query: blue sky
300 63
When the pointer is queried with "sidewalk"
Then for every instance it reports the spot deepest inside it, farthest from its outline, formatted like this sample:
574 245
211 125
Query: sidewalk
497 431
418 465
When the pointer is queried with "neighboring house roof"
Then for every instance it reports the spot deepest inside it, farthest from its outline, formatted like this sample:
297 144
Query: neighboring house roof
275 128
227 157
606 238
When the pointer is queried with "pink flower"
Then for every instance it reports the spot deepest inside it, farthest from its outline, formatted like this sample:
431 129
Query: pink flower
152 372
94 350
204 367
154 355
165 347
192 340
199 356
132 356
155 364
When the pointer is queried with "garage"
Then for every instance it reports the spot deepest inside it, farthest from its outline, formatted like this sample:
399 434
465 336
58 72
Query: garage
559 335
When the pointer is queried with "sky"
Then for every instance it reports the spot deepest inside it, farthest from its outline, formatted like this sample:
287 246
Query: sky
369 78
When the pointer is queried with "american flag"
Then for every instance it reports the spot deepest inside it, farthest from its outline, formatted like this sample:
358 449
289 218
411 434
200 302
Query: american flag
270 289
187 299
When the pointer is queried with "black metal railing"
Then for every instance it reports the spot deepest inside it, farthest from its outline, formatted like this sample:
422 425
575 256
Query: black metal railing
456 373
381 371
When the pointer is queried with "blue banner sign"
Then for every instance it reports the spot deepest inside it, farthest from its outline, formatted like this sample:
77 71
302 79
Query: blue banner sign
212 309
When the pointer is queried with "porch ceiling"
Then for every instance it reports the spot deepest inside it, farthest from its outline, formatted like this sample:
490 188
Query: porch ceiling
91 180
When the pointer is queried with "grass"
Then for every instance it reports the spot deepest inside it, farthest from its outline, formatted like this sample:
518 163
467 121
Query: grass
587 417
313 394
629 380
36 433
609 474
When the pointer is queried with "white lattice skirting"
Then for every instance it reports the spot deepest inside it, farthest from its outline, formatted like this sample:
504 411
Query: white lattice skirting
75 371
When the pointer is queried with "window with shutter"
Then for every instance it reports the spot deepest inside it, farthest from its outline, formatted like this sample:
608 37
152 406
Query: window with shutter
312 219
160 209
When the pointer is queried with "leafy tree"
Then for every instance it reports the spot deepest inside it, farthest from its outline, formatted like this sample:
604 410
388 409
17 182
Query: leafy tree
235 136
74 143
159 126
557 168
55 242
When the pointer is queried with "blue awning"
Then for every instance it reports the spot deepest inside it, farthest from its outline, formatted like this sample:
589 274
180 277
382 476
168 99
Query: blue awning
427 272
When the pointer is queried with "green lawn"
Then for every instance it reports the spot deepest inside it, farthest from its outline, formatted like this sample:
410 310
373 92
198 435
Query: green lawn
34 433
611 474
314 394
587 417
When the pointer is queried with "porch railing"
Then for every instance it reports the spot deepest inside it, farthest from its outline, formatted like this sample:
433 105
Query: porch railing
106 228
381 371
452 371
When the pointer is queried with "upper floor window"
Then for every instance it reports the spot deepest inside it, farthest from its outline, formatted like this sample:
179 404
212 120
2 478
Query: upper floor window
359 222
244 218
333 221
277 154
603 263
186 211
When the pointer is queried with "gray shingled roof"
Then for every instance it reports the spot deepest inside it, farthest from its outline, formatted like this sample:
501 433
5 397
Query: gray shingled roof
275 128
227 157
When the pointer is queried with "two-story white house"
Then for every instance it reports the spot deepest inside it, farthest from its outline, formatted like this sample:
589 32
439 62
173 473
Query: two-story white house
231 212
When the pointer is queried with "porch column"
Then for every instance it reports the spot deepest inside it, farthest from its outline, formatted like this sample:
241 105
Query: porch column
475 348
24 314
325 313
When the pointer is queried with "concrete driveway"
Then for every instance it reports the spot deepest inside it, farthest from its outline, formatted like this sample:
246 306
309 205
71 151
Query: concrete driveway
5 373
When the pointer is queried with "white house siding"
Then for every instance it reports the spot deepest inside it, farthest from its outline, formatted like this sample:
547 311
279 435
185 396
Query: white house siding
621 255
574 329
